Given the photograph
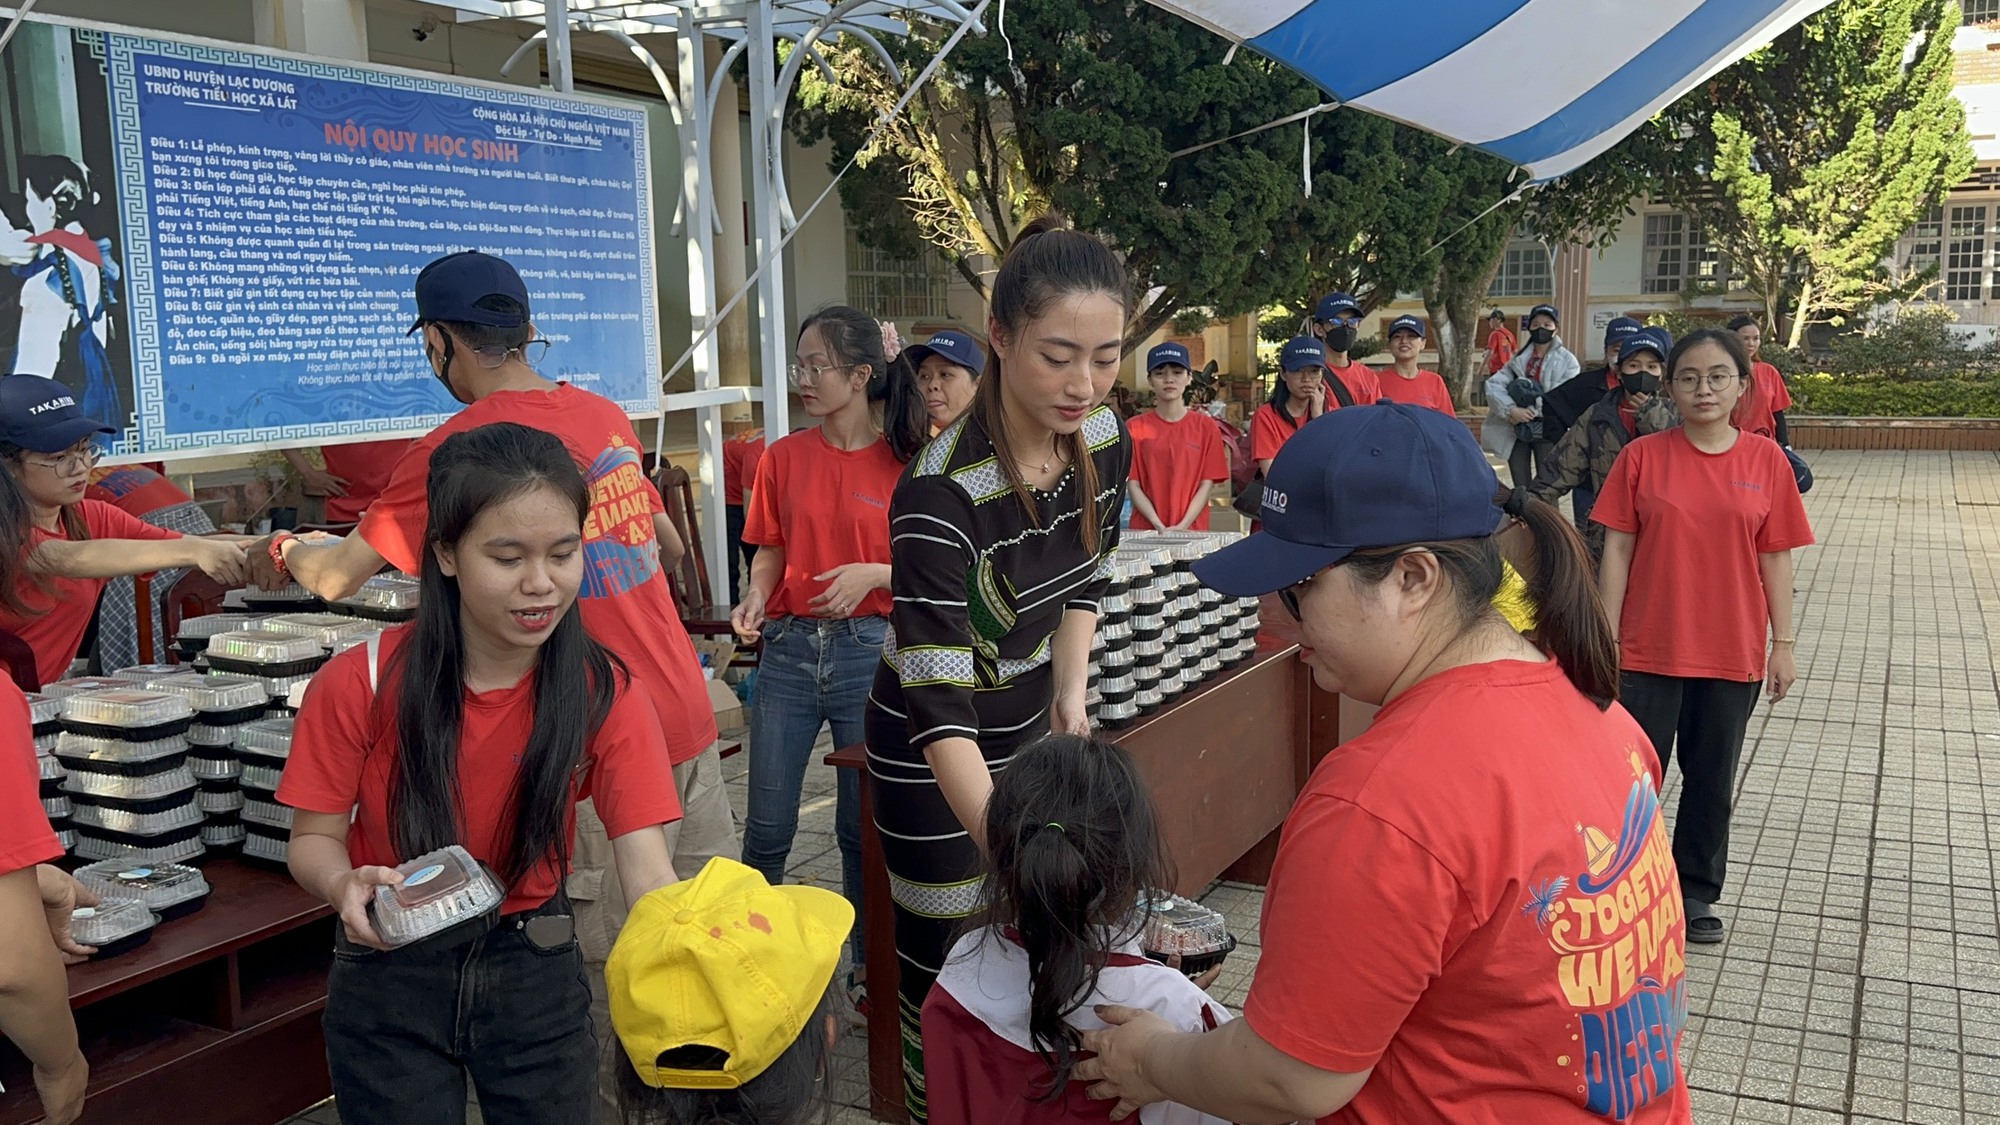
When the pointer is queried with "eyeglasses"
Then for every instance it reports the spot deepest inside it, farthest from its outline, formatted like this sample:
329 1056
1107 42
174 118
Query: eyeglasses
809 374
1716 380
493 355
69 464
1289 596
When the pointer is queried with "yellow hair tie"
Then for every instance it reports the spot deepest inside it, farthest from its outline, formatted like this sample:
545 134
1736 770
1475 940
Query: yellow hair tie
1513 600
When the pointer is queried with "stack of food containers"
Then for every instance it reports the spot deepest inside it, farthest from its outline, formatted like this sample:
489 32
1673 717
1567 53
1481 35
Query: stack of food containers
1159 631
223 704
293 598
192 639
276 659
263 747
45 712
126 752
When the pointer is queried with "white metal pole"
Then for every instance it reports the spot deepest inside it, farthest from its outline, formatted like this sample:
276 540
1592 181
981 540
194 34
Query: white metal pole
766 149
555 17
698 200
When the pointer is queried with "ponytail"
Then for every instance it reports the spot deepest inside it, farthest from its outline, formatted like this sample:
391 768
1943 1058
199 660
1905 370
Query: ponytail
17 537
856 340
1570 624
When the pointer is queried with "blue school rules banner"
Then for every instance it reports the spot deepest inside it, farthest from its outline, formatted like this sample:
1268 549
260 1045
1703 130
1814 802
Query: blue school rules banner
276 210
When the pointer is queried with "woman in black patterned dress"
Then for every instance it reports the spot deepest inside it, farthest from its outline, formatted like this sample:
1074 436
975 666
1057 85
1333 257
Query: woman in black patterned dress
1001 533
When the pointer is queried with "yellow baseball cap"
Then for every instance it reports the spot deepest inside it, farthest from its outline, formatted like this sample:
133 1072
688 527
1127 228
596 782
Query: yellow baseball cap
726 961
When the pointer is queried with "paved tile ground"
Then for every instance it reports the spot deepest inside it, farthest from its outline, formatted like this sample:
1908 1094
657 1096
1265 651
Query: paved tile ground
1861 979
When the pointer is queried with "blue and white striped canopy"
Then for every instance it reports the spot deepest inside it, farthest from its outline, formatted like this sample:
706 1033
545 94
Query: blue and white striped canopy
1543 84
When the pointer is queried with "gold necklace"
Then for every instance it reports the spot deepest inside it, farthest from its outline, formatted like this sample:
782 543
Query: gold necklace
1046 462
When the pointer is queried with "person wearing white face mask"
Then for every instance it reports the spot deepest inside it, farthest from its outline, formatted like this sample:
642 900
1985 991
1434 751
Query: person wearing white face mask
1513 430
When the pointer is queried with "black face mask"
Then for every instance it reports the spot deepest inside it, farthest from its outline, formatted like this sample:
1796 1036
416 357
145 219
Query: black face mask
1541 335
1339 337
1641 383
442 369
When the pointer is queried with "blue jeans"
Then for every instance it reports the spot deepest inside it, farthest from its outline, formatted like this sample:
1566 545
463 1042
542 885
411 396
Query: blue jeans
1582 500
812 671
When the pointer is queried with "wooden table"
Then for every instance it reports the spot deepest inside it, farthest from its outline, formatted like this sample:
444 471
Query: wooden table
1224 762
214 1021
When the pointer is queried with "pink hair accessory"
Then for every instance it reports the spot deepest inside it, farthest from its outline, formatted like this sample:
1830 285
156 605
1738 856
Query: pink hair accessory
892 341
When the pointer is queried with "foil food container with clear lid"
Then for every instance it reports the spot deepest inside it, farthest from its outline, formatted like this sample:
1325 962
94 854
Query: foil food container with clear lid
269 740
219 697
138 674
212 801
383 598
91 815
264 653
65 836
271 814
130 713
169 890
77 685
208 625
134 787
225 768
261 777
439 890
292 598
1179 927
58 807
328 629
43 710
174 847
45 743
113 926
49 767
1113 632
223 833
270 845
115 755
1118 715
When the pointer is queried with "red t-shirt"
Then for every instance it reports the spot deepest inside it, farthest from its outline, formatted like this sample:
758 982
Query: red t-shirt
1694 603
344 757
1361 381
1172 460
70 602
134 490
1427 389
1762 399
1477 899
365 466
740 456
1499 349
1270 428
626 603
825 507
25 836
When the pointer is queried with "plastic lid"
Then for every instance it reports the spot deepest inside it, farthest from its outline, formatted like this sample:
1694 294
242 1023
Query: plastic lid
63 689
215 769
84 748
140 673
129 788
42 708
264 646
290 593
438 891
137 824
202 628
126 707
50 768
208 802
1178 925
263 847
353 640
399 596
110 921
176 851
270 737
262 777
268 813
328 629
217 691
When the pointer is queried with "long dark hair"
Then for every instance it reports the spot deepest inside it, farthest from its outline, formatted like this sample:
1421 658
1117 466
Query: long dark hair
1072 841
1569 619
574 686
1048 260
855 338
17 537
791 1091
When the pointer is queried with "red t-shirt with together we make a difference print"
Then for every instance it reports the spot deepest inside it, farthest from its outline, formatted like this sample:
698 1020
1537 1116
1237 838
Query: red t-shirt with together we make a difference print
1485 912
625 601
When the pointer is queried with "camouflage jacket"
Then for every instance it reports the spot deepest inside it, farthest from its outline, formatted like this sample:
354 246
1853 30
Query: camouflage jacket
1584 456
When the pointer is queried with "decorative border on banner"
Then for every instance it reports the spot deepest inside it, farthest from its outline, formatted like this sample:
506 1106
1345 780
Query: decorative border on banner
130 157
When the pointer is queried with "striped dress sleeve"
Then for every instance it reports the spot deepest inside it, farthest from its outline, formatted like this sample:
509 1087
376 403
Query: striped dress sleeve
1114 466
931 554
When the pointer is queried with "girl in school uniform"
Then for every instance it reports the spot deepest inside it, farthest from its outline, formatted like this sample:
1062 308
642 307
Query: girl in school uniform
481 724
1177 453
58 548
1700 524
818 593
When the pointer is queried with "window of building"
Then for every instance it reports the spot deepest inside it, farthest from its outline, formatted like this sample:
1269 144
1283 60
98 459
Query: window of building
1524 272
1678 255
892 288
1965 253
1980 11
1927 240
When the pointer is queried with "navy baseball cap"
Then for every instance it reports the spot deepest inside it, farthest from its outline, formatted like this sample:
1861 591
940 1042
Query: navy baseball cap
1407 323
471 288
956 347
1378 476
1647 340
41 415
1302 352
1334 304
1167 353
1547 311
1621 329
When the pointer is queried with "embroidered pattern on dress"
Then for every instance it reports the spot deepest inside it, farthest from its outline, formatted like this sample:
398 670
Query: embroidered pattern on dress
947 900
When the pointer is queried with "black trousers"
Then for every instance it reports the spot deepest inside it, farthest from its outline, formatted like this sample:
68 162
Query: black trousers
740 553
1527 460
407 1027
1702 721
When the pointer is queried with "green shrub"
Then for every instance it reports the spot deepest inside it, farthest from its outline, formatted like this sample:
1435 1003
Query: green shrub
1819 392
